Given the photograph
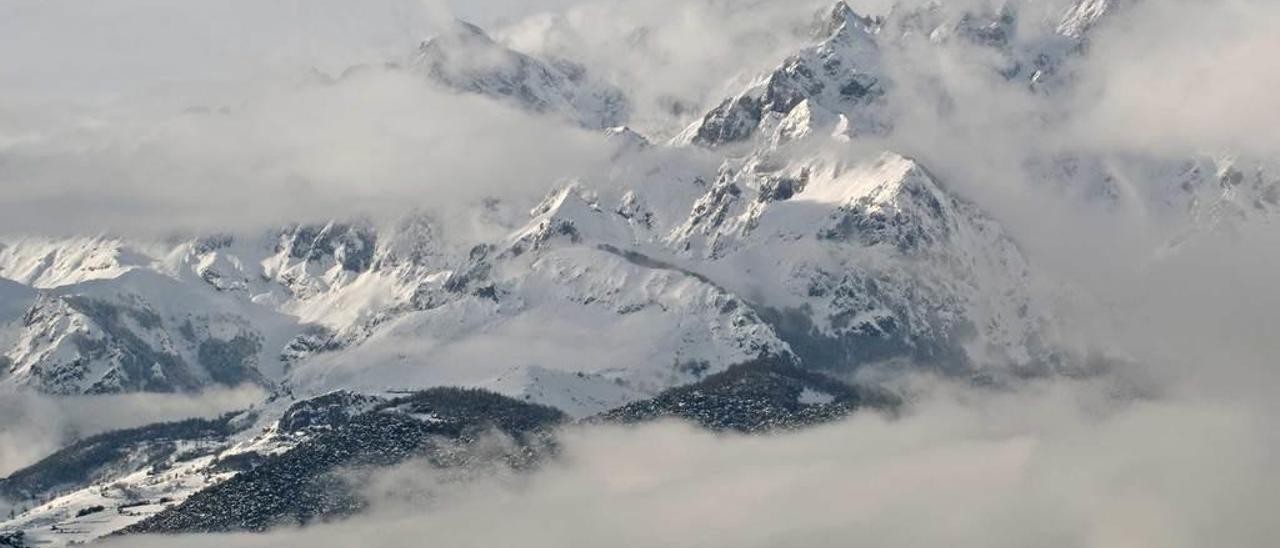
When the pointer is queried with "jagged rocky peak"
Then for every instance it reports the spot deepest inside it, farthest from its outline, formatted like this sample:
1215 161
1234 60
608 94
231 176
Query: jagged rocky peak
570 214
902 206
891 201
464 58
883 263
416 240
460 52
350 245
992 24
300 256
840 76
841 18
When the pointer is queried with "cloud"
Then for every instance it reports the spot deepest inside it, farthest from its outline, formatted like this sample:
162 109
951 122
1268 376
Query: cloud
1187 75
33 426
1053 465
203 117
213 119
380 143
61 52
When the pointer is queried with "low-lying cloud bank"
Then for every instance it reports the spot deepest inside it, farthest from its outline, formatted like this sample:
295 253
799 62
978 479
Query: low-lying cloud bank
1051 465
33 426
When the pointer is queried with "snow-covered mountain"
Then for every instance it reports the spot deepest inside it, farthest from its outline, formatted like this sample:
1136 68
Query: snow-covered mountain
464 58
838 82
830 263
144 332
1196 194
687 258
776 229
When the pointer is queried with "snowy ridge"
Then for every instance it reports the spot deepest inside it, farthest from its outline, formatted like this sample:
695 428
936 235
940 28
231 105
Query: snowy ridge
840 78
466 59
1191 195
881 264
143 332
842 86
47 262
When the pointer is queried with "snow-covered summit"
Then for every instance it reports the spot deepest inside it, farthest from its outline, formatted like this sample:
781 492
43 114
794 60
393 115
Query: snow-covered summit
840 77
463 57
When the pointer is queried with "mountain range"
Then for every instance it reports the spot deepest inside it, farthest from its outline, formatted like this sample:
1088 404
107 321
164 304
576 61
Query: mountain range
737 275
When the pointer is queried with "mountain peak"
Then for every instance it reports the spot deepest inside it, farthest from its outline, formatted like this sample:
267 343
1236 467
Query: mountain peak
840 75
842 18
458 32
464 58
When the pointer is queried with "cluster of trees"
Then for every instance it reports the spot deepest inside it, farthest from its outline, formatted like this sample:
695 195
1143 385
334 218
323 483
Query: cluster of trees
14 539
758 396
344 432
305 484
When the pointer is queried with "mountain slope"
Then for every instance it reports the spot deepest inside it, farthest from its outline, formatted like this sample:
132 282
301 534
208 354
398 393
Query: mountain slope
881 263
143 331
